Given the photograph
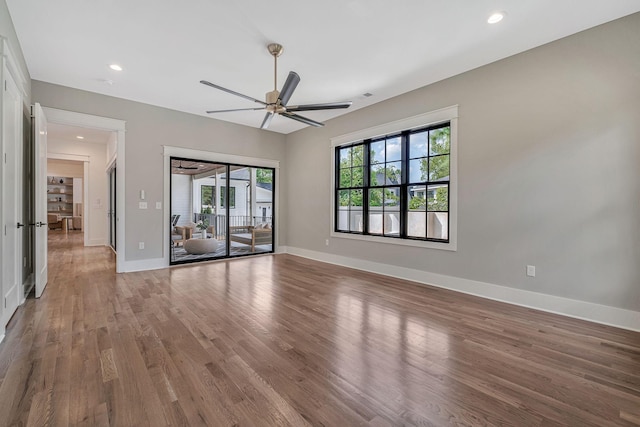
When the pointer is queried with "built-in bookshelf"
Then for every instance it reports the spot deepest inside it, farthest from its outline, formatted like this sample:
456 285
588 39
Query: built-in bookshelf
60 195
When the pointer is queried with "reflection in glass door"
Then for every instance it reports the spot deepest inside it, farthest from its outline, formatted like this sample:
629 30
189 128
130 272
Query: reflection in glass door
219 210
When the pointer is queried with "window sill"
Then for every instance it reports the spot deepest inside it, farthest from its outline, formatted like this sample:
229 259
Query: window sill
451 246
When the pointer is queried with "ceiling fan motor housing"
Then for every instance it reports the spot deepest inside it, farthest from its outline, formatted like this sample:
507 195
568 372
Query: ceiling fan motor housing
272 97
273 104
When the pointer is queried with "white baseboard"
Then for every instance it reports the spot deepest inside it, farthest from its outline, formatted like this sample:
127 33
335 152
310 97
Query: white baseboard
96 242
27 286
612 316
144 264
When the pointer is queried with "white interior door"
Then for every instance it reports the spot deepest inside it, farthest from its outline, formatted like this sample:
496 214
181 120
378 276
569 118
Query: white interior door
40 168
11 196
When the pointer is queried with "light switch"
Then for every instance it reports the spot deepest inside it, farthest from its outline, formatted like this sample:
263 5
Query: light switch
143 205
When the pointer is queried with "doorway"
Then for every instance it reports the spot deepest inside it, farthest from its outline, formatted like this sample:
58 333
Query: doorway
218 210
101 140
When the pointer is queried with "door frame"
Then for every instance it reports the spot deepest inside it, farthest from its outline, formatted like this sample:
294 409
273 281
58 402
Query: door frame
210 156
11 209
9 62
72 118
111 165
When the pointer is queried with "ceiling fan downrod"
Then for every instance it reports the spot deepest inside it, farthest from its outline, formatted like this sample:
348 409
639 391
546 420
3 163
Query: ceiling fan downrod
275 50
272 98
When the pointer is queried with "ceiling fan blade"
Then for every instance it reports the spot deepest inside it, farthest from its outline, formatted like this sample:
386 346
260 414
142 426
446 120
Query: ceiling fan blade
302 119
235 109
289 86
232 92
314 107
267 120
185 167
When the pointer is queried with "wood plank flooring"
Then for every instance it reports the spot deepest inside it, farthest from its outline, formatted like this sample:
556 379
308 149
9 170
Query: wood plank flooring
285 341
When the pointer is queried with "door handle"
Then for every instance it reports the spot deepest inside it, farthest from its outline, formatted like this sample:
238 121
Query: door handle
20 225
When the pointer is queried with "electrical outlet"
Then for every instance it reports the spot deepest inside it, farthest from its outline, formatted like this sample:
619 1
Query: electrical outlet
141 245
326 242
158 205
531 270
142 205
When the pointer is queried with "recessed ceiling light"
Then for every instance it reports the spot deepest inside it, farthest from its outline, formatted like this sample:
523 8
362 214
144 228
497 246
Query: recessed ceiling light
80 137
115 67
496 17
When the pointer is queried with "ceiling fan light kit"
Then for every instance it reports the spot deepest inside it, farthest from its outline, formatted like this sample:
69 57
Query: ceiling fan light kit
276 101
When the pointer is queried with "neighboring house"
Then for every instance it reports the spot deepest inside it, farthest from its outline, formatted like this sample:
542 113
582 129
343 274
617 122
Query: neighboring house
188 199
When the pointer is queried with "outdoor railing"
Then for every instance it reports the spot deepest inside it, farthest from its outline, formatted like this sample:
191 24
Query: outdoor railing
220 221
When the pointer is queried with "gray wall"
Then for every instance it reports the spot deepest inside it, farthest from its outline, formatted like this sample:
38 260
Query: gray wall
148 128
549 170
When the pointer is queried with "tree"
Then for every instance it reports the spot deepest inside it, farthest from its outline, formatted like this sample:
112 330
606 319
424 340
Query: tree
417 203
351 175
438 200
440 141
206 196
436 166
264 176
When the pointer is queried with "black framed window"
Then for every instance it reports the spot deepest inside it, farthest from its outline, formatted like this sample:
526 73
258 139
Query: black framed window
350 194
395 186
232 197
207 197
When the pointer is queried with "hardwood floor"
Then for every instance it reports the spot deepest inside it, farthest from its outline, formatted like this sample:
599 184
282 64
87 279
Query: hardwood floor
281 340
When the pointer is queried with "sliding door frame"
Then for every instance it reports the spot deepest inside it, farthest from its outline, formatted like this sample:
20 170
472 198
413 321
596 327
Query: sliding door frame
228 159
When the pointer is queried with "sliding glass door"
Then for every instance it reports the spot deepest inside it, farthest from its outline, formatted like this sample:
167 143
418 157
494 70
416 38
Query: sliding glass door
219 210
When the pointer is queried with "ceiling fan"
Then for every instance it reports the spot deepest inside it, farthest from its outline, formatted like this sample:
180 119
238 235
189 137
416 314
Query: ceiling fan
276 102
186 167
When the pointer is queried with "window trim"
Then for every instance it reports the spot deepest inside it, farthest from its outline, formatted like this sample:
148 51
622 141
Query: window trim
448 114
223 192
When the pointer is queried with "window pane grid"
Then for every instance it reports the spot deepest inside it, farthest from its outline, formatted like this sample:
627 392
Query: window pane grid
407 193
350 180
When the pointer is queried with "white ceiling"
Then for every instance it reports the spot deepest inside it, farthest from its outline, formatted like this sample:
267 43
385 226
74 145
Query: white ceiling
340 48
57 132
